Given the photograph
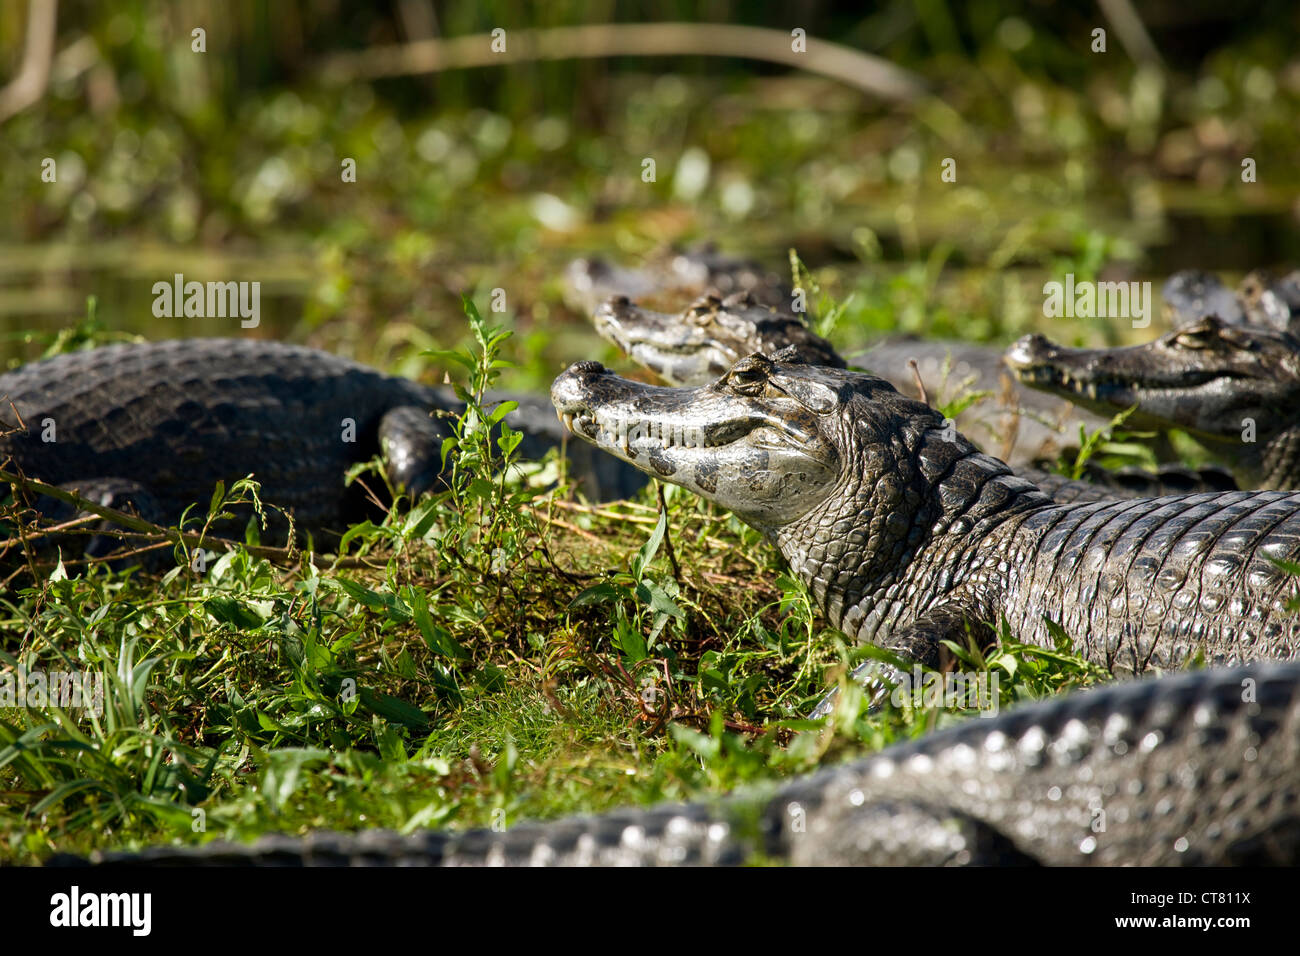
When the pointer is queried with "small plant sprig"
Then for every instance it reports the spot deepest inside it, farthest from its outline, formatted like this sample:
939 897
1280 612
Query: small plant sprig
827 311
478 455
1102 441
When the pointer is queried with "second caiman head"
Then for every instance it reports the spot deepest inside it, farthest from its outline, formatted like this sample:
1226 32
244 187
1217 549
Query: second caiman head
708 337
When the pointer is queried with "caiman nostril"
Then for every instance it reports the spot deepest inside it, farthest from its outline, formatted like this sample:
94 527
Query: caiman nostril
587 367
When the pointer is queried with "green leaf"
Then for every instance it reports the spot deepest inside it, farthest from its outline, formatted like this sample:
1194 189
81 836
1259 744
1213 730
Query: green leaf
365 530
648 550
387 602
394 709
438 639
232 611
218 495
658 600
629 640
450 355
509 440
602 593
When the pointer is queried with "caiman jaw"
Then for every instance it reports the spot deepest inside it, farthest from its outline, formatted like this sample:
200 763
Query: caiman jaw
1097 378
676 350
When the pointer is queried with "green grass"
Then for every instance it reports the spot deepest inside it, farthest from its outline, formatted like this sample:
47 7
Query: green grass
492 654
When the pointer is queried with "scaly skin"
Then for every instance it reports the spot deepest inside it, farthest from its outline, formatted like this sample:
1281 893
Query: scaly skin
908 536
1191 769
1260 300
154 426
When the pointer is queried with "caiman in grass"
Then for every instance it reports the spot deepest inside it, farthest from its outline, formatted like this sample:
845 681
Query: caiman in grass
908 536
1195 769
152 427
688 315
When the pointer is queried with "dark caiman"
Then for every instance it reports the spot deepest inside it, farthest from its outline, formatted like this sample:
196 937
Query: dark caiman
154 426
1260 299
1230 380
908 536
1191 769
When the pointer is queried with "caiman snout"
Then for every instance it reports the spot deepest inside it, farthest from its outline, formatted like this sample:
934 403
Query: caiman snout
587 367
1028 351
570 391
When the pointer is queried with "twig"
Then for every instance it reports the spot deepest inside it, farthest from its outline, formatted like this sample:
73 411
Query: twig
1009 400
668 538
33 76
920 385
863 71
576 530
1133 36
152 531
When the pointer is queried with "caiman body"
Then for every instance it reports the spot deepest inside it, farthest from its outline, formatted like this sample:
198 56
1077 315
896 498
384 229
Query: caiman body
908 536
1193 769
154 426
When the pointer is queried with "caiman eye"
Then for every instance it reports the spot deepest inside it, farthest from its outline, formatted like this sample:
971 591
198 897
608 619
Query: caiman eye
1203 334
1198 338
747 380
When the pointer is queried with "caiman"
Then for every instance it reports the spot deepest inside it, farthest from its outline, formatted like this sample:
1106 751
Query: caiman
1230 378
672 278
736 308
908 536
1260 299
1193 769
704 340
152 427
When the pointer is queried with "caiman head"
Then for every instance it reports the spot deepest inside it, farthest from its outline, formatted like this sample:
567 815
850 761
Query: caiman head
705 340
846 475
1235 388
1260 299
672 279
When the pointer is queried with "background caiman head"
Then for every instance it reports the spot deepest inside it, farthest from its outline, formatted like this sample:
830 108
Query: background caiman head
708 337
1211 378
